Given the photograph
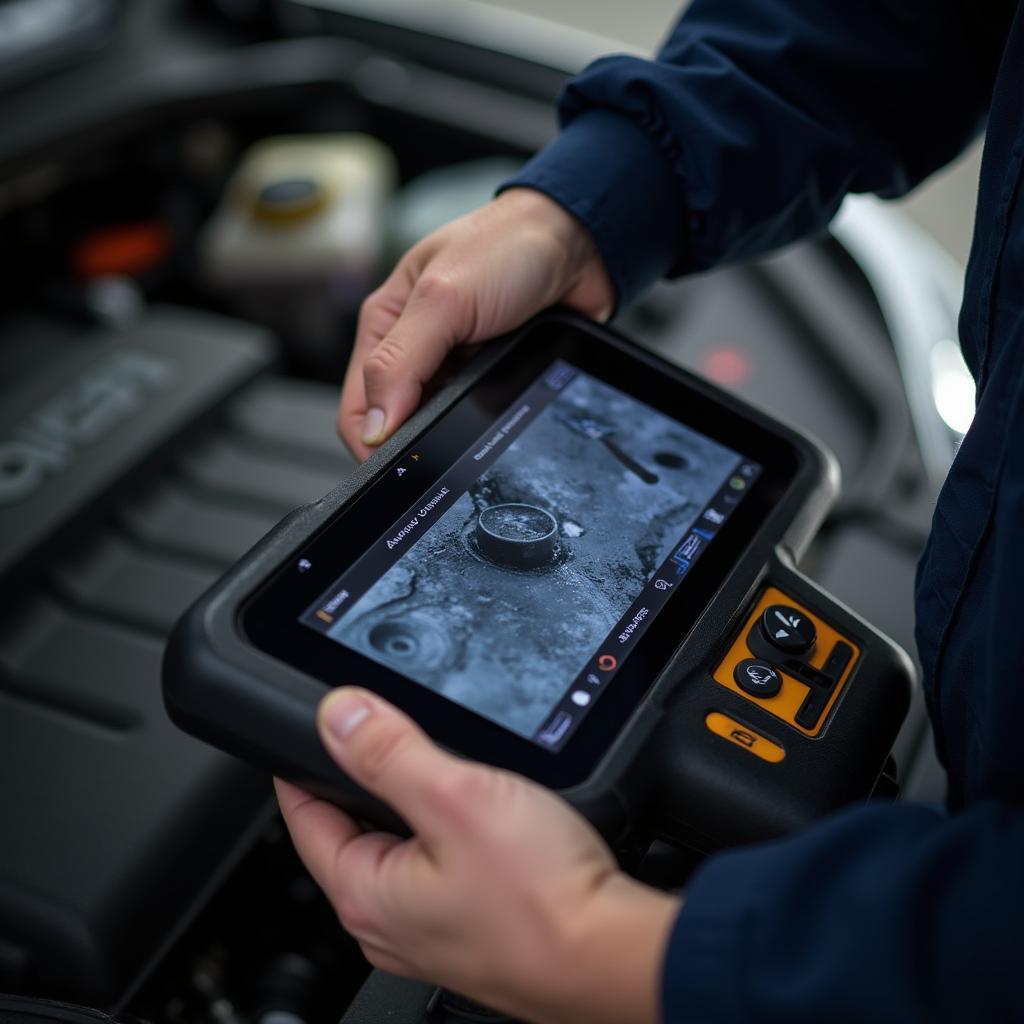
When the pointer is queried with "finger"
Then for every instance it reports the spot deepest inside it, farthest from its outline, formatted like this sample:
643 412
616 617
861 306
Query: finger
361 890
390 756
435 319
319 830
377 316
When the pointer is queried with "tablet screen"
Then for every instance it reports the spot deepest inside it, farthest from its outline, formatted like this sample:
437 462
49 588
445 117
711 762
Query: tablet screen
519 581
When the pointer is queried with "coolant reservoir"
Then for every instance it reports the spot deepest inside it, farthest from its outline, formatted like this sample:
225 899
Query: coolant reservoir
300 233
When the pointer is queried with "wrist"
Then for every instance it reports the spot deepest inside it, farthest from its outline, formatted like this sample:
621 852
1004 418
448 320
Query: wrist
582 268
608 970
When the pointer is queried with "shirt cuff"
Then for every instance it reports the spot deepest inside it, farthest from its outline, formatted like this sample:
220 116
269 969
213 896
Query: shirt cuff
609 174
702 977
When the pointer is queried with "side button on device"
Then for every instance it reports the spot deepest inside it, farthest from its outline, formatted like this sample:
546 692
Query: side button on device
810 711
757 678
742 736
788 629
836 662
808 674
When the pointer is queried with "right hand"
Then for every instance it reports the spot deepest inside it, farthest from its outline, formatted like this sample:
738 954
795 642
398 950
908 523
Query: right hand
478 277
503 893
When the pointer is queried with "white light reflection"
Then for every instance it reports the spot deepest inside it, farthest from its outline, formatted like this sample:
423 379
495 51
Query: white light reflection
952 386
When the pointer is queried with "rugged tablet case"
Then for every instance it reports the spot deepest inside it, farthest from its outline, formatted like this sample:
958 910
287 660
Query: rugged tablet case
222 689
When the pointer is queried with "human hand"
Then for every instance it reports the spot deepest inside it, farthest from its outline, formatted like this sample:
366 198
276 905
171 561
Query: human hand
478 277
503 893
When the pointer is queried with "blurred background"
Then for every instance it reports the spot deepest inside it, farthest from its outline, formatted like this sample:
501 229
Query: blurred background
195 197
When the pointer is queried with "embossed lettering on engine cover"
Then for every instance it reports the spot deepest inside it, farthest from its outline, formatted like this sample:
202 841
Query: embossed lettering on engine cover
44 444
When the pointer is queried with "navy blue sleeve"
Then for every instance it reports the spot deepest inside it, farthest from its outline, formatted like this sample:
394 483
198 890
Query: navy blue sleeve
754 121
878 914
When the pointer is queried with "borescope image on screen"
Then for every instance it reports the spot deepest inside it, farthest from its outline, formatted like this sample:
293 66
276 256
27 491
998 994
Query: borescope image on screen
499 603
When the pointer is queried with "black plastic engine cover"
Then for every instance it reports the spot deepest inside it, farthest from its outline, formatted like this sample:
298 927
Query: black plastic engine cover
134 467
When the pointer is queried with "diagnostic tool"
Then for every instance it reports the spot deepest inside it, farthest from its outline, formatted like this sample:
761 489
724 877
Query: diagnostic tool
575 562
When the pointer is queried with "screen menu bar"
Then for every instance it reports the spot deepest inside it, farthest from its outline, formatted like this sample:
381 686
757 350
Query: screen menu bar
594 678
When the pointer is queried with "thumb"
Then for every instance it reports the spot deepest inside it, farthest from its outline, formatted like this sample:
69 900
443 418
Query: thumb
395 372
386 753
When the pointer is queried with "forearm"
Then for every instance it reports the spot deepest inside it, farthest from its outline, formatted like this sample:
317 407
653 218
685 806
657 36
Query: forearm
755 121
881 913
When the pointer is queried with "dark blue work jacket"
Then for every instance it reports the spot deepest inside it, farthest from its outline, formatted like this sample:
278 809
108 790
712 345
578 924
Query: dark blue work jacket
745 133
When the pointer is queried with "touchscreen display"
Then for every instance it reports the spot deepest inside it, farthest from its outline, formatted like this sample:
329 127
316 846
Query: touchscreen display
518 583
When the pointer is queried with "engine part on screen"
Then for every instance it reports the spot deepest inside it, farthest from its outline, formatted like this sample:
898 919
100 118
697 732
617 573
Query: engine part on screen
520 580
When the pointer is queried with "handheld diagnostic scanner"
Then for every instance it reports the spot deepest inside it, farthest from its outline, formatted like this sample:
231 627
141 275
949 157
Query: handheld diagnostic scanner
576 562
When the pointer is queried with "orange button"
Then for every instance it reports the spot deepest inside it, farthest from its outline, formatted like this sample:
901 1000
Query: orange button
787 703
731 730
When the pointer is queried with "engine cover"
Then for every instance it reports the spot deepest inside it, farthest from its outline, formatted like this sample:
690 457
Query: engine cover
134 467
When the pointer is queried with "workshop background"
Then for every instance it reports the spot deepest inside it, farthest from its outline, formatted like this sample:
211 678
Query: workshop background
195 197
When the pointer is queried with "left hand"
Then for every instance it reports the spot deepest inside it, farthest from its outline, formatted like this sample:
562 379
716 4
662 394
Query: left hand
503 893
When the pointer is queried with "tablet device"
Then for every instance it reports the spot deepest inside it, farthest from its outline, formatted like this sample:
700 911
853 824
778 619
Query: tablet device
529 568
520 576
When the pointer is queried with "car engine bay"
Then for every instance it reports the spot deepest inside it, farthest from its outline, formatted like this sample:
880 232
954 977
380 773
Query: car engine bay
167 394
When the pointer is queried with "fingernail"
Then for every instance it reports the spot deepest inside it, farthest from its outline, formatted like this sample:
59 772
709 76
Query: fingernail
373 426
342 713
